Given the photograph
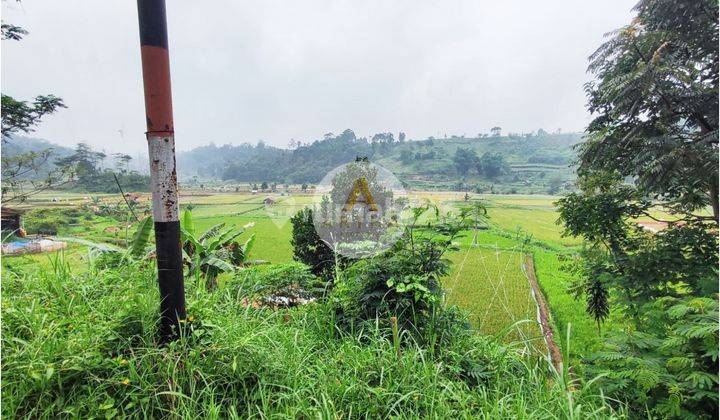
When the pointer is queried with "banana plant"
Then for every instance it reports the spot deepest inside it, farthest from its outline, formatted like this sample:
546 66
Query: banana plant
137 248
214 251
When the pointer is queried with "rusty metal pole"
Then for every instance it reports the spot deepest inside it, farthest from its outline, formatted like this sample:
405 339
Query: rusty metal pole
163 176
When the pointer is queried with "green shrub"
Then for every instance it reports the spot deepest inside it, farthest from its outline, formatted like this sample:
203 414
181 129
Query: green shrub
403 283
309 249
384 287
50 220
670 367
291 281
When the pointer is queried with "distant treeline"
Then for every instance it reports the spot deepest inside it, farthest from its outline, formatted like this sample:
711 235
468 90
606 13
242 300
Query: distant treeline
310 162
456 162
304 164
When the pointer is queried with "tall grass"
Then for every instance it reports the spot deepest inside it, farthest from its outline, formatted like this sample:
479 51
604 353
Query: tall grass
81 343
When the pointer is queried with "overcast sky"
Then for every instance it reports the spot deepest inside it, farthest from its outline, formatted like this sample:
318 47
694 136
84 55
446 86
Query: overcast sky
280 70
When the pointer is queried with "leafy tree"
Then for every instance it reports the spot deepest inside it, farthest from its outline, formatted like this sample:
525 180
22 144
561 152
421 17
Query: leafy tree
345 181
495 131
13 32
655 101
83 167
464 160
492 165
309 249
638 265
122 161
22 117
84 161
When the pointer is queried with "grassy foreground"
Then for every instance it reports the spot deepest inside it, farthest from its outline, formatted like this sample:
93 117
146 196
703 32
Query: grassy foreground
80 343
512 217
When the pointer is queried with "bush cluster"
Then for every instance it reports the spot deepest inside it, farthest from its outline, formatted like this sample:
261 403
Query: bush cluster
51 220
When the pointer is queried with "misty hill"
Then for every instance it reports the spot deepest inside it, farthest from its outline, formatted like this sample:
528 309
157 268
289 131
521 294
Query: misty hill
531 163
537 163
20 145
522 163
305 164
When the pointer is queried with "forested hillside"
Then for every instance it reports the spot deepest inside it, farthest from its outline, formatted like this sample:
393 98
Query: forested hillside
530 163
538 162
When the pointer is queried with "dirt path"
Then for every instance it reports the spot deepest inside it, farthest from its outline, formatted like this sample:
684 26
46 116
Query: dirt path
544 314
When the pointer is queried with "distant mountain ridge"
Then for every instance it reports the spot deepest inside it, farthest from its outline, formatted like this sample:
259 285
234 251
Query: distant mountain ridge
20 145
536 162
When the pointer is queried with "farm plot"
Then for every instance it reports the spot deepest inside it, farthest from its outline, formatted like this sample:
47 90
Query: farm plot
532 215
491 285
272 236
270 223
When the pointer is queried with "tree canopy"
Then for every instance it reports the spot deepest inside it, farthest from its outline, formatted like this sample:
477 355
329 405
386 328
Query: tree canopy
655 104
652 152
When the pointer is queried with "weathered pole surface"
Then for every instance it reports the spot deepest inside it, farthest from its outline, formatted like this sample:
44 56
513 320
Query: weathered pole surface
163 176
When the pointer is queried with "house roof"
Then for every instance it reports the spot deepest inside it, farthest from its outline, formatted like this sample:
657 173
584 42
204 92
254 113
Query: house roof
656 226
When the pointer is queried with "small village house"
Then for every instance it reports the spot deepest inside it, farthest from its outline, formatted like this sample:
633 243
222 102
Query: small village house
10 219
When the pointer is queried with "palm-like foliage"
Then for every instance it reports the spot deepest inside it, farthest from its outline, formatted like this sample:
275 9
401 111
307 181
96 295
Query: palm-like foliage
669 369
213 252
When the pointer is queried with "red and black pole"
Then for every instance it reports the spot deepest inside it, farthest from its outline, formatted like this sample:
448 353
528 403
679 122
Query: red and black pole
163 176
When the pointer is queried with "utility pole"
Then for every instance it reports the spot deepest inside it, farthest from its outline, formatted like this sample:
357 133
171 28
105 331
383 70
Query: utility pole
163 176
